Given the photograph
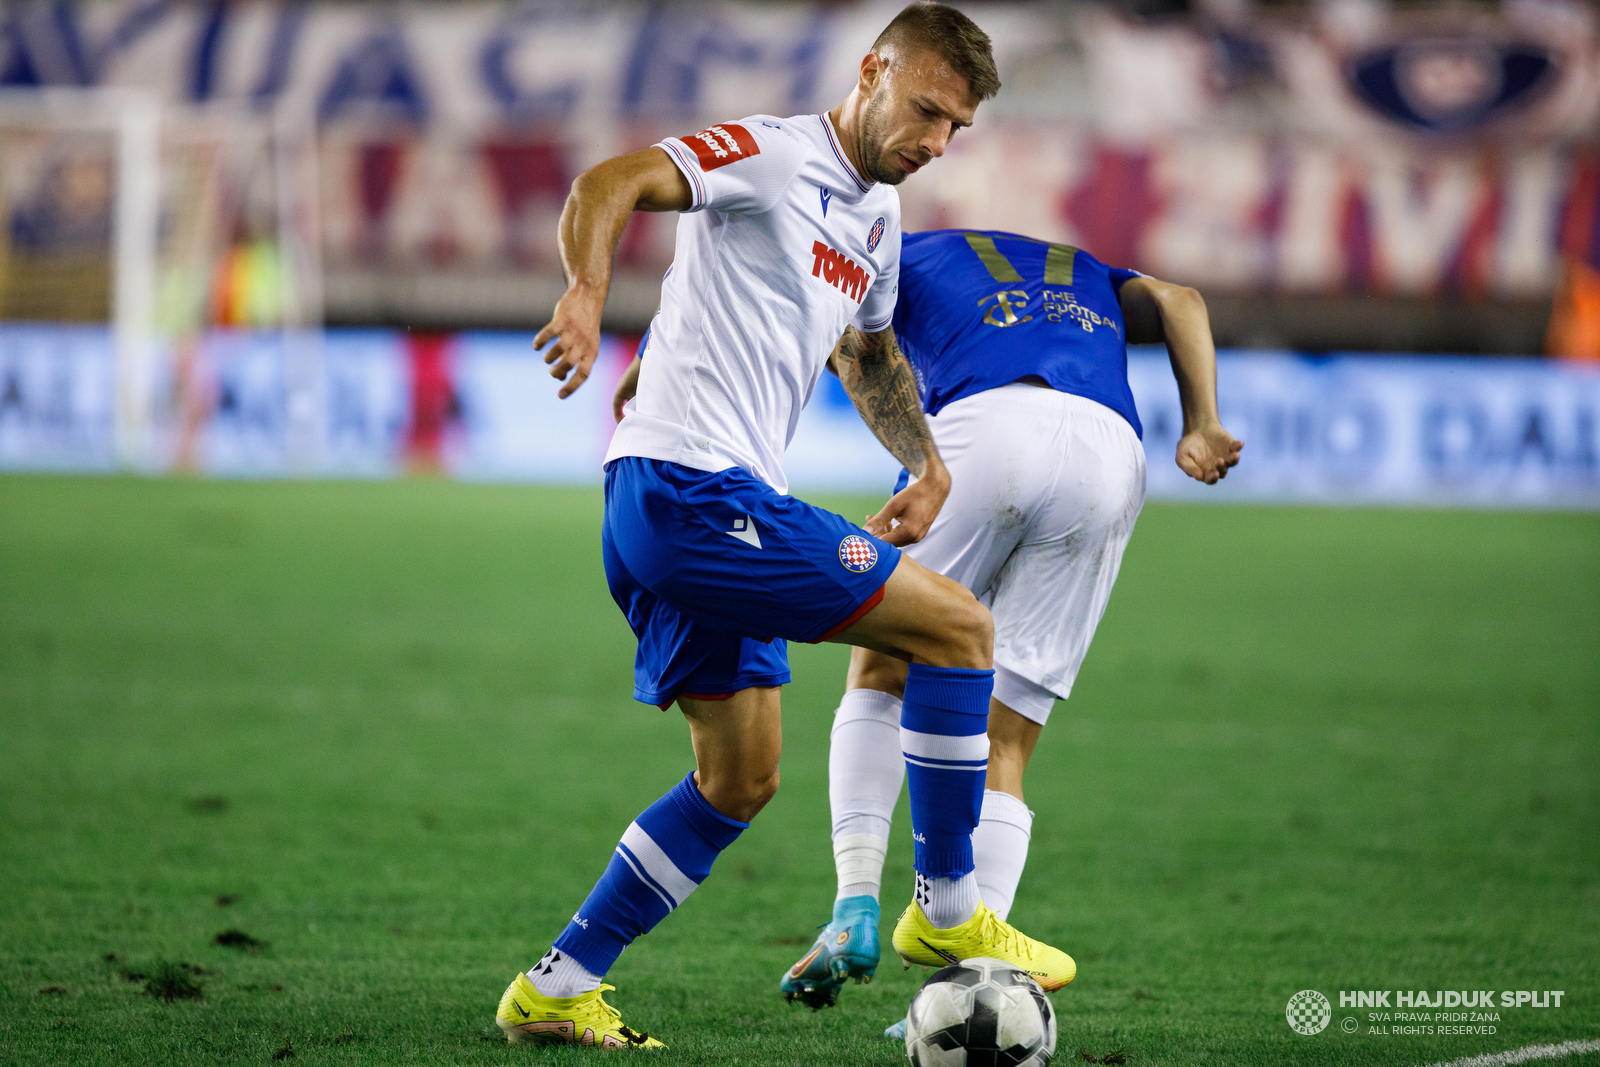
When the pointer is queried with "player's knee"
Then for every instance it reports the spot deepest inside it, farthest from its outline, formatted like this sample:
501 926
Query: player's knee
971 634
882 673
1006 748
768 787
742 795
758 790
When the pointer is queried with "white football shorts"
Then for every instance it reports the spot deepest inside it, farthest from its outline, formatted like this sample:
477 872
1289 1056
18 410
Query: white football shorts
1045 489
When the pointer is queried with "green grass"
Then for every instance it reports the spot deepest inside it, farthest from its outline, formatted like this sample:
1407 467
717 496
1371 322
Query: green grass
389 725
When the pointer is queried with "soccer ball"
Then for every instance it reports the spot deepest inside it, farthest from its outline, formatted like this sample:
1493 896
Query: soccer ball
980 1011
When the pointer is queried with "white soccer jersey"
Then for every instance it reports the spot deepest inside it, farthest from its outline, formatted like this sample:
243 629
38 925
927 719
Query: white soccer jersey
784 246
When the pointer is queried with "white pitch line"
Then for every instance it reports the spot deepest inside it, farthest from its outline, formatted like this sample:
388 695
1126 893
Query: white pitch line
1523 1055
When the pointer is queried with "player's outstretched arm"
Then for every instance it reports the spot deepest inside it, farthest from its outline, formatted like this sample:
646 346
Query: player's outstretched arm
875 373
597 209
1157 311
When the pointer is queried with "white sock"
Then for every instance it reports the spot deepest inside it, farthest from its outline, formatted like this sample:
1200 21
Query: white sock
948 902
865 773
1000 848
559 975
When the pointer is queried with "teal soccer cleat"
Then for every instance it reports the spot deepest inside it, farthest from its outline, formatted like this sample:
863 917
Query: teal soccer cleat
846 948
897 1032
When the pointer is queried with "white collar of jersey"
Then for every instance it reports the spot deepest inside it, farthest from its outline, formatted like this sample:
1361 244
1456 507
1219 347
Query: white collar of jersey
826 118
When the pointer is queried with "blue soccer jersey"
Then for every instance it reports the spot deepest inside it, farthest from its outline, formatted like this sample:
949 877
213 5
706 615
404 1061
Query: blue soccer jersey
981 309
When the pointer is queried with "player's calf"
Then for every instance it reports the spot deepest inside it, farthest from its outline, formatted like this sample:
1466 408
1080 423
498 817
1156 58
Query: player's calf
943 724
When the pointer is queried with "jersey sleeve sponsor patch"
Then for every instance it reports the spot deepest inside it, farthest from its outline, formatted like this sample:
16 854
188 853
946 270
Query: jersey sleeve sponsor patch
717 146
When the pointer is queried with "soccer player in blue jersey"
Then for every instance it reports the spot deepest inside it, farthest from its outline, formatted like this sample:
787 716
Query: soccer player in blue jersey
789 233
1020 351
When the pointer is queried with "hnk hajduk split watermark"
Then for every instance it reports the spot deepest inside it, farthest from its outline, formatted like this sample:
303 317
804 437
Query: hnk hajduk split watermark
1416 1012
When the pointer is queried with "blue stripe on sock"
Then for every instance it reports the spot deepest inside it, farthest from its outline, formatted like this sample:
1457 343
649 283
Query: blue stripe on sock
626 902
954 765
946 795
644 875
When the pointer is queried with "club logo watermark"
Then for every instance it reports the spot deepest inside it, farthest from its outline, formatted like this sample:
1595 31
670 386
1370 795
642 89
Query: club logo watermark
1308 1012
1396 1012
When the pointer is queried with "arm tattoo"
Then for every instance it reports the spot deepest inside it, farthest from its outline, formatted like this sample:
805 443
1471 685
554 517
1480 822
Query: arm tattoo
875 373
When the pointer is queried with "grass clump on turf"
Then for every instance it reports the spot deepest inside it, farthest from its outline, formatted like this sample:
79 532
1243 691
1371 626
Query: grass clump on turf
173 981
240 940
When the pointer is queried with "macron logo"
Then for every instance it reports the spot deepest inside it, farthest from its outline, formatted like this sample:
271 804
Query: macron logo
744 529
839 271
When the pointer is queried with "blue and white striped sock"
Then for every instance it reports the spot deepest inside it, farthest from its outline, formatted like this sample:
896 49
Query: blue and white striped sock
664 855
944 724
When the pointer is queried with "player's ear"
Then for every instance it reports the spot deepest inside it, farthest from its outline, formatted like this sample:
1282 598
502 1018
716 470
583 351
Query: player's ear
872 68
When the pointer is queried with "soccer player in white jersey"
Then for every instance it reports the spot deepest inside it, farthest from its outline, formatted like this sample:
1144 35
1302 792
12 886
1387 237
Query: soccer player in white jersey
789 233
1020 348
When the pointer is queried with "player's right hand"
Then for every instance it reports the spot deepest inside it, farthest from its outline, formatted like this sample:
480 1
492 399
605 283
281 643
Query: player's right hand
905 519
575 330
1207 454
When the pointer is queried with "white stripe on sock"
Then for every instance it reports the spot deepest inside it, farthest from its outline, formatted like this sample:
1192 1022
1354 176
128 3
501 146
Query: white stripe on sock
657 864
650 885
944 747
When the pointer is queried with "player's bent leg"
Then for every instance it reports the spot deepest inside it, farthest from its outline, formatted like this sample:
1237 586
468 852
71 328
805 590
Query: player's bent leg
664 855
943 735
865 775
927 618
1005 826
919 938
1012 737
737 742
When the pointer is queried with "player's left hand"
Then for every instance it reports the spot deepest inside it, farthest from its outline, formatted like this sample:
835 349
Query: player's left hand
1206 454
905 519
627 388
575 329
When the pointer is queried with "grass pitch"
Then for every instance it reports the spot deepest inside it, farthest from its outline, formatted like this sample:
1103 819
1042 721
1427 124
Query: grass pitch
306 772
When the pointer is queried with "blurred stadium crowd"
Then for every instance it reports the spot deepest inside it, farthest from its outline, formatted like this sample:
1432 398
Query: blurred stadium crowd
1337 176
1434 165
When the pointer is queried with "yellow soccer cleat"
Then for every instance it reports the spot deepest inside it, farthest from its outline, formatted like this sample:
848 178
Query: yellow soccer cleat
528 1015
985 934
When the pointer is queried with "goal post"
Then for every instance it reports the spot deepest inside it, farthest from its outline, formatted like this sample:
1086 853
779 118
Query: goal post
162 223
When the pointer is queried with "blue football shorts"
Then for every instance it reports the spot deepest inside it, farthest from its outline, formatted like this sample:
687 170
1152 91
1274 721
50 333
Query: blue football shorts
716 571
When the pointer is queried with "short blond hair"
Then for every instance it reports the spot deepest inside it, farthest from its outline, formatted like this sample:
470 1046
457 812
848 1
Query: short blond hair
941 29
